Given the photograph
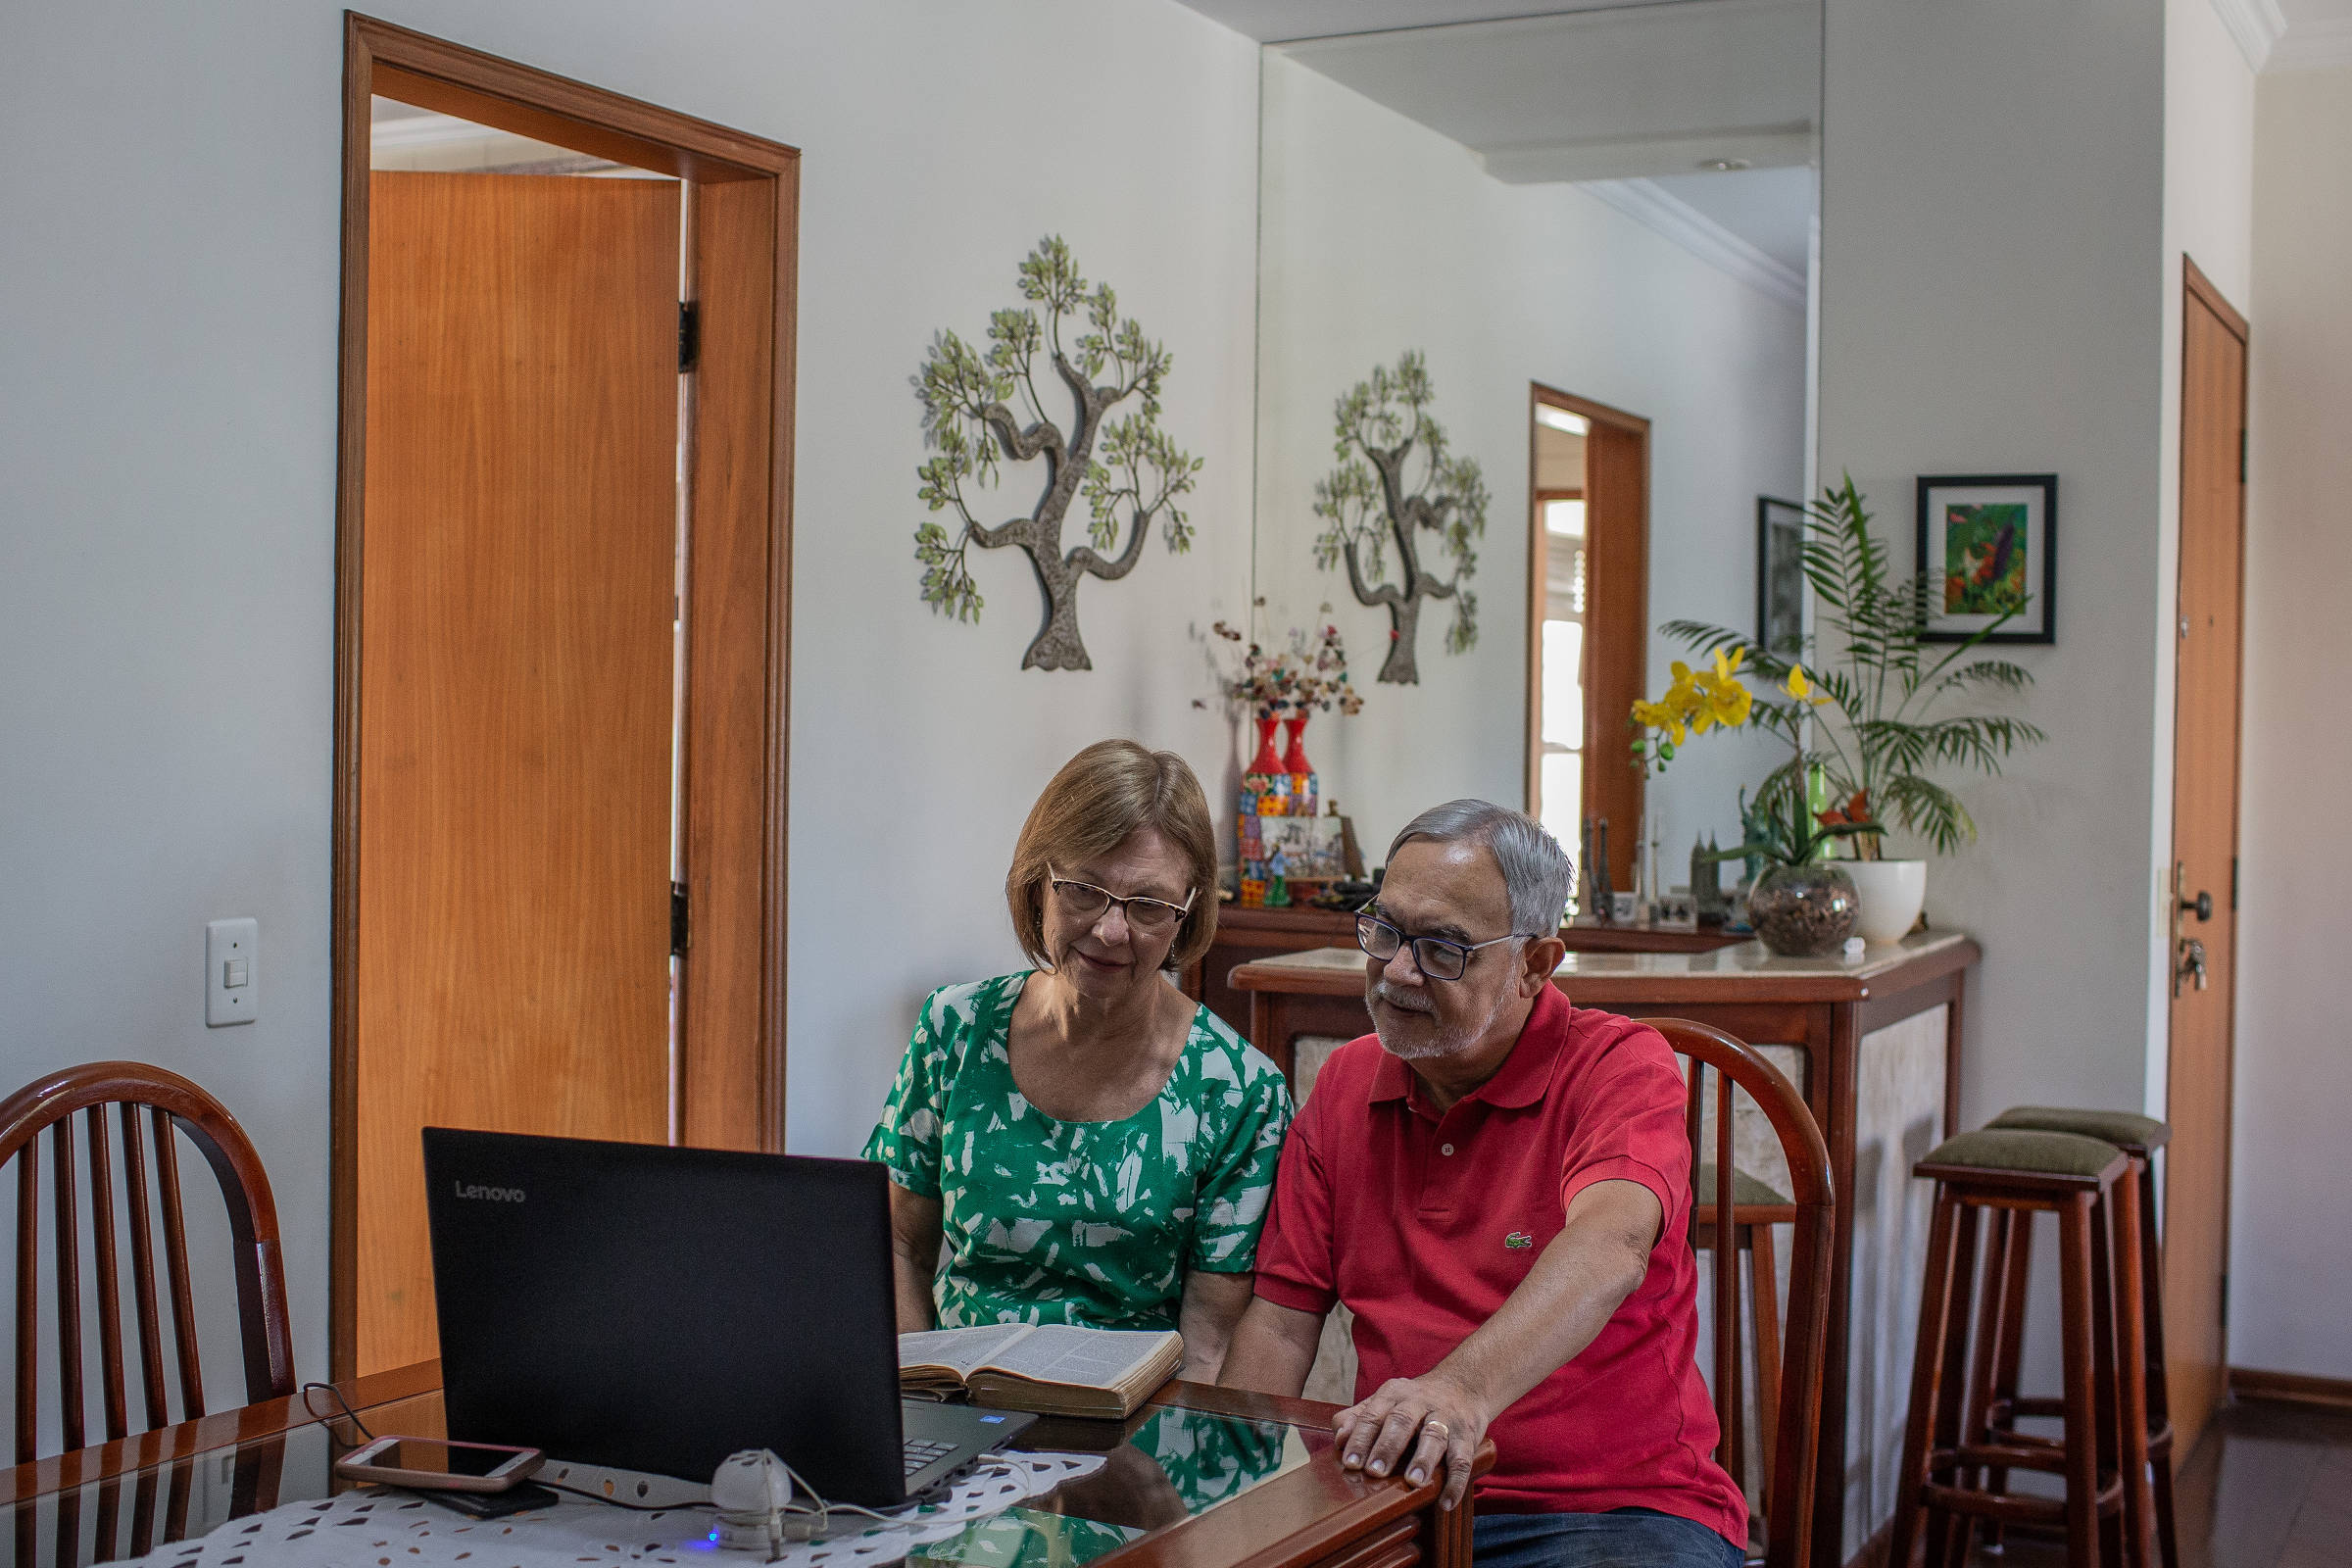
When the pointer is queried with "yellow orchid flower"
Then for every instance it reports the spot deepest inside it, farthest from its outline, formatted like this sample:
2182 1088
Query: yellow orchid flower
1801 689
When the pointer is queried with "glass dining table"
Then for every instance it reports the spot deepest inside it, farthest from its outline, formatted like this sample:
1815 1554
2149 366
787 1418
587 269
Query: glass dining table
1199 1478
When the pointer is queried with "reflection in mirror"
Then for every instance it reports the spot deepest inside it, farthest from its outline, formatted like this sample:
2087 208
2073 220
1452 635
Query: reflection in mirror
1598 228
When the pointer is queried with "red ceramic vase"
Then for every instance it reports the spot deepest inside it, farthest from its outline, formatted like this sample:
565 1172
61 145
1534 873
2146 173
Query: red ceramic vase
1294 761
1267 761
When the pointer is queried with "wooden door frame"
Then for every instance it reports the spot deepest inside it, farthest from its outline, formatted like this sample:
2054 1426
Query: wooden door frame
2197 290
1635 426
743 204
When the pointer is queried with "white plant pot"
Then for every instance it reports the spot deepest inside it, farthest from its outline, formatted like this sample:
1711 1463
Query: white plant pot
1890 894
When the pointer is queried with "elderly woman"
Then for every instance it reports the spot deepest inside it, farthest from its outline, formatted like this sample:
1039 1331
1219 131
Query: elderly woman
1091 1146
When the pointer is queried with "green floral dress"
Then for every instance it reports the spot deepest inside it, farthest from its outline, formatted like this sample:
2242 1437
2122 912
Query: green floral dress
1089 1222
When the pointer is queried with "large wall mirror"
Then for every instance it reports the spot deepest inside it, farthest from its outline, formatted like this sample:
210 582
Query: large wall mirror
1595 233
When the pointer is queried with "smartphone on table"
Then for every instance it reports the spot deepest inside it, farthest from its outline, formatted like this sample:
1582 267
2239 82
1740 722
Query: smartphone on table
439 1465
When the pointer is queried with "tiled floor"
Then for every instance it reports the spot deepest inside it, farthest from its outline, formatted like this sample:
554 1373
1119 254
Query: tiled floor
2269 1487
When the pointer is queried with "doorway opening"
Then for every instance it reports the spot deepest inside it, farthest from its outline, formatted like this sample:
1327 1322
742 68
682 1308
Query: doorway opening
1587 622
561 625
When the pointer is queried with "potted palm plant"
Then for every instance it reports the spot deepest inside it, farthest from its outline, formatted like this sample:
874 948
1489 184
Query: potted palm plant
1872 718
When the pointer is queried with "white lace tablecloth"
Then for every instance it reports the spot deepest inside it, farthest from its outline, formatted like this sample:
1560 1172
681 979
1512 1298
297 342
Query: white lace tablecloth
380 1529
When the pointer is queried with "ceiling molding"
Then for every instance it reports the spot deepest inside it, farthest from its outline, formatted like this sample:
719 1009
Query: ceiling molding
1686 225
1788 146
2313 47
2254 25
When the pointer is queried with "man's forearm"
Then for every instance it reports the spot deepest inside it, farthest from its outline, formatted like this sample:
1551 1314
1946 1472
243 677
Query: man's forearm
1569 1296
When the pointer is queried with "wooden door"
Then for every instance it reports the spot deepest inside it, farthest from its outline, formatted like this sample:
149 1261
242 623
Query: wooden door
515 723
2205 731
1616 628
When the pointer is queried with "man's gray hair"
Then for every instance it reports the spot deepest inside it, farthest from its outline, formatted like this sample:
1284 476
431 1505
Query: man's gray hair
1536 870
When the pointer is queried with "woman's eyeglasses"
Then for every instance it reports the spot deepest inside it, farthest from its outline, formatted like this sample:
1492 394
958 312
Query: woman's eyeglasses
1434 956
1150 918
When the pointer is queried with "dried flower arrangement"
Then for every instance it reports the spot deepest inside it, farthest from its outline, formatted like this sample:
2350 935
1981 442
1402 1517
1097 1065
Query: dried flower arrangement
1313 675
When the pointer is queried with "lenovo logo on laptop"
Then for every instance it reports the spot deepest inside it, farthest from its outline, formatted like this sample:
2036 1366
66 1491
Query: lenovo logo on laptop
490 1194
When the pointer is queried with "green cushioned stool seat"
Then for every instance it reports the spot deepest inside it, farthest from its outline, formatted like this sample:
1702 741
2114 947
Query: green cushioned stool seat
2134 1134
1746 1191
2017 1149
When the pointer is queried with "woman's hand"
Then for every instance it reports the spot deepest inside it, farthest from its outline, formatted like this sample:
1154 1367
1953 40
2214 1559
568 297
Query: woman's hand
1414 1424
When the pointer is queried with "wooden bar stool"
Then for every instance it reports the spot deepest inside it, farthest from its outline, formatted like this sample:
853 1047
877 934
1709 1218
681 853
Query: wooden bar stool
1755 1209
2139 1137
2103 1456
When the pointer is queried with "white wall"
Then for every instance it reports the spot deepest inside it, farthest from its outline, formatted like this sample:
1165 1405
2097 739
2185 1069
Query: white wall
1378 236
2291 1223
167 492
2208 217
1991 210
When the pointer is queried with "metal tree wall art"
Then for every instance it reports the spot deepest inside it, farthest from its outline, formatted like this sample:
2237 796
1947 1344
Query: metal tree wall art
983 409
1396 482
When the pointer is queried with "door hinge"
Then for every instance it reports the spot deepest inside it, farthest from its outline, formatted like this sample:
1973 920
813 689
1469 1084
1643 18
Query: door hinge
690 335
2225 1300
677 919
2241 455
2233 884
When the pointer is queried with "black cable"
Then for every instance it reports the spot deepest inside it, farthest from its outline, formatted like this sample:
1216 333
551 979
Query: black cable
633 1507
350 1415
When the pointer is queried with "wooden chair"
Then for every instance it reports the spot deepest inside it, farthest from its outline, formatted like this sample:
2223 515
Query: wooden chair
148 1150
1720 1218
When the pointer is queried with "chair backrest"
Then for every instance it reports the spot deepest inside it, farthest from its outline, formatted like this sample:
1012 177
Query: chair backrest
1729 1063
168 1100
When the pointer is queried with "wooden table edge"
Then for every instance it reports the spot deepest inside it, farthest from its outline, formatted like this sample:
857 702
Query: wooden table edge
222 1429
1208 1539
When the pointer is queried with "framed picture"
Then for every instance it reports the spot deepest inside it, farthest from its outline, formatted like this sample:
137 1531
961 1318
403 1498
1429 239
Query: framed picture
1989 545
1779 574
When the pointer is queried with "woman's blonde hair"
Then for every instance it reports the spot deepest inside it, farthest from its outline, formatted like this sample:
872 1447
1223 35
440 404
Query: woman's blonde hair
1093 806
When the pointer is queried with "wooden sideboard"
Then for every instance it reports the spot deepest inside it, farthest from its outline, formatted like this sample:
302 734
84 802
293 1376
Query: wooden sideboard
1245 936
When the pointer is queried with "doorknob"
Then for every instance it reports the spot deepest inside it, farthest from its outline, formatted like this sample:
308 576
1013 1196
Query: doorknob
2201 905
2191 966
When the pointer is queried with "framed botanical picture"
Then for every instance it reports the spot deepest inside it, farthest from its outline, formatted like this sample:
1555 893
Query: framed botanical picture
1989 545
1779 574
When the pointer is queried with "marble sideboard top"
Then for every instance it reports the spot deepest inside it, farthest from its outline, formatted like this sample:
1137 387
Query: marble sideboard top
1747 969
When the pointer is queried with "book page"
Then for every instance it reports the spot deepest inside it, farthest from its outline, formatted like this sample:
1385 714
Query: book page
1094 1358
964 1349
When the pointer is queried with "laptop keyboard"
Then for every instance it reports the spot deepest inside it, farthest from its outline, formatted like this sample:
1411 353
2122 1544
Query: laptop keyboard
920 1452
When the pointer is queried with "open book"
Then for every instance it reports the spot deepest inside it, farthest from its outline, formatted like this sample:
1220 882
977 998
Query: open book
1053 1368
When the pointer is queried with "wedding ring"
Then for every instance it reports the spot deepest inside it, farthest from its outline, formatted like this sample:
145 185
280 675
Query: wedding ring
1430 1424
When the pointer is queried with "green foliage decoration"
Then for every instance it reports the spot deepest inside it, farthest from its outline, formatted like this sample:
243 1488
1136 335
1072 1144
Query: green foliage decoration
1875 717
984 408
1395 481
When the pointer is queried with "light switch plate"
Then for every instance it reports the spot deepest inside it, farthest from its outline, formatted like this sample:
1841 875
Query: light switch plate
232 951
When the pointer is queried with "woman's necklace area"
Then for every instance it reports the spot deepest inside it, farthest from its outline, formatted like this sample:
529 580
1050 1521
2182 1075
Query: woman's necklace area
1081 1127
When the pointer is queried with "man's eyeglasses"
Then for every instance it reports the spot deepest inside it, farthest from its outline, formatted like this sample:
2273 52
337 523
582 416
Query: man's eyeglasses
1150 918
1434 956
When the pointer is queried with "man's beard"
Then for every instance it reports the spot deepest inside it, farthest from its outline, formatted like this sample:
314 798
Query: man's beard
1447 1042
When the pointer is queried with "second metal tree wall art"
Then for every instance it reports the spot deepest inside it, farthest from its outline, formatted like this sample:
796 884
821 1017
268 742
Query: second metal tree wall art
982 409
1395 481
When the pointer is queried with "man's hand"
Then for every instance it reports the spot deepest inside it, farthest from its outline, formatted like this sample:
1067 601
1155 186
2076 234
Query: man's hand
1414 1424
1577 1284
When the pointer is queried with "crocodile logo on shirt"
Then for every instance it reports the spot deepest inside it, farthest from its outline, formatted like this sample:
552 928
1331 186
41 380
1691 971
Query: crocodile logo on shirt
1518 1239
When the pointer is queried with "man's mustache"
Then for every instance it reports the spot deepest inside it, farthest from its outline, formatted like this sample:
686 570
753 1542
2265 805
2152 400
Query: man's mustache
1404 998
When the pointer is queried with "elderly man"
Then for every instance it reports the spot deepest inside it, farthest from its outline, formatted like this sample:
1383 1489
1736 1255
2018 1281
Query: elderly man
1497 1186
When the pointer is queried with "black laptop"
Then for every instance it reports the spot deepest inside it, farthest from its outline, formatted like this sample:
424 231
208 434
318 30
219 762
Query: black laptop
658 1309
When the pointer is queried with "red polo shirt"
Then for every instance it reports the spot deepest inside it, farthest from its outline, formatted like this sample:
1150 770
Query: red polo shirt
1423 1223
